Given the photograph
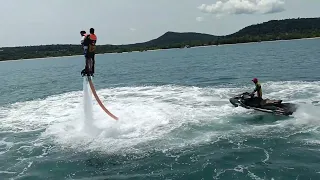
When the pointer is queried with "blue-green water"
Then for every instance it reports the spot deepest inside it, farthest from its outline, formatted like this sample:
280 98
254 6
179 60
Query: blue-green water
175 118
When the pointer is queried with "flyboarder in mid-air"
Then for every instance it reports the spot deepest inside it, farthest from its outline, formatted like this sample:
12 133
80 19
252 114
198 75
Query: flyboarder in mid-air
88 42
89 47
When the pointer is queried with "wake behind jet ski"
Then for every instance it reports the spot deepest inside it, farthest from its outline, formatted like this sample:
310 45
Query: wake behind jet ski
248 101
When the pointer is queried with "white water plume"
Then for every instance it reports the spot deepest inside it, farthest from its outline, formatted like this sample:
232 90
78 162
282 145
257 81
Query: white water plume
88 119
157 117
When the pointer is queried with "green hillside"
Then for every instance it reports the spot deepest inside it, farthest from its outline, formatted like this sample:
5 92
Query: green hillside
267 31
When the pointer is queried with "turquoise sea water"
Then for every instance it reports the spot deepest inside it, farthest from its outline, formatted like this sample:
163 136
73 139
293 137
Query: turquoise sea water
175 118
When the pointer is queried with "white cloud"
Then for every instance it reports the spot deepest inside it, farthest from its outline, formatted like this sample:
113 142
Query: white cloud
244 7
132 29
199 19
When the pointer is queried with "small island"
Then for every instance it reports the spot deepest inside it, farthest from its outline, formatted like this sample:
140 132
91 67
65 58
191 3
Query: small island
272 30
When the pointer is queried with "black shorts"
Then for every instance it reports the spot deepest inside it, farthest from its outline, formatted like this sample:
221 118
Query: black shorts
90 55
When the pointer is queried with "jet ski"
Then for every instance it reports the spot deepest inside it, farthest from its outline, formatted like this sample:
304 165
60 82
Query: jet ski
248 101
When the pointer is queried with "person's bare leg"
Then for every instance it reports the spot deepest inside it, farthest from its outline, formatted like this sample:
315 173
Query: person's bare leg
89 68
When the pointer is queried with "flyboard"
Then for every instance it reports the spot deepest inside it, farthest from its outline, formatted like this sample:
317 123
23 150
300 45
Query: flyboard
98 99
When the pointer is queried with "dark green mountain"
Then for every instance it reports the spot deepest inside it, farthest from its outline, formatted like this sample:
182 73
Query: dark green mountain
170 38
267 31
300 25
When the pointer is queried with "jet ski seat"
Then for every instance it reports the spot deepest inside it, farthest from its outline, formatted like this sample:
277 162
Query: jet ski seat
270 102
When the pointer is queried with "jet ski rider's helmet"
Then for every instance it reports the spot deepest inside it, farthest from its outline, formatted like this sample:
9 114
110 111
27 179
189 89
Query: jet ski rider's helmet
255 80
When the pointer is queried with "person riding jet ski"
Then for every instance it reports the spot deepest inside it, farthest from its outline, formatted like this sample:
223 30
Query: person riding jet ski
257 89
258 101
249 101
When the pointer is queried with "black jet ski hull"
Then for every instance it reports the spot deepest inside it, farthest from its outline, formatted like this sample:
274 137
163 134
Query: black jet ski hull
246 101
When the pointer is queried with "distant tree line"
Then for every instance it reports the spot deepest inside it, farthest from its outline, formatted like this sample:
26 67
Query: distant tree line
268 31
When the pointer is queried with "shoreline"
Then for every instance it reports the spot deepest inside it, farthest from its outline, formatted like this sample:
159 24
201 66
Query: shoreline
280 40
31 59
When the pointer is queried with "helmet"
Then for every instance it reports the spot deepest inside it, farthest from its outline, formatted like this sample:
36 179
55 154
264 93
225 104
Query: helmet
255 80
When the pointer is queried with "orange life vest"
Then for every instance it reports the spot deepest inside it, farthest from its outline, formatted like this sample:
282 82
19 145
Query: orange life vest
90 41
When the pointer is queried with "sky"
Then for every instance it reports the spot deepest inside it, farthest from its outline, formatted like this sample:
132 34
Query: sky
41 22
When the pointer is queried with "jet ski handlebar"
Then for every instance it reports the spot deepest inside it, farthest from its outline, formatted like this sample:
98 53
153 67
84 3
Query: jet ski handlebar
246 95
